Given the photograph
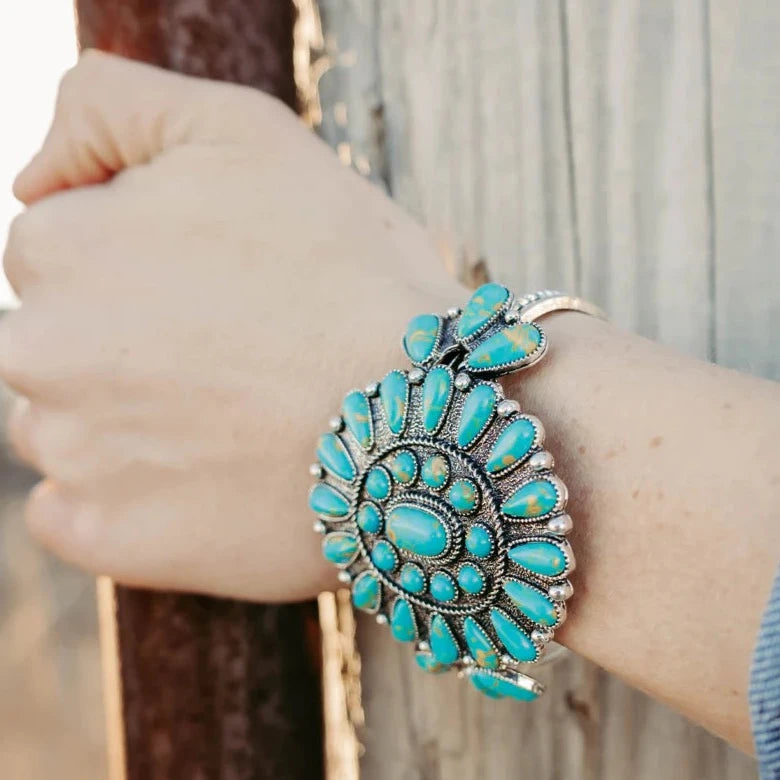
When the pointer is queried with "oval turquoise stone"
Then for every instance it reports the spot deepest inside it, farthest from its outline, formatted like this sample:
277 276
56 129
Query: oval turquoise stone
428 663
479 541
476 413
436 471
517 643
384 556
443 644
531 602
339 548
480 646
366 592
463 495
512 445
356 412
326 500
369 518
404 467
422 333
378 483
436 392
533 499
506 347
394 394
412 578
543 558
484 304
471 579
402 625
417 530
442 587
497 686
332 453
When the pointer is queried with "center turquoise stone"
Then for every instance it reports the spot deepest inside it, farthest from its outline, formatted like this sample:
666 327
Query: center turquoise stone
417 530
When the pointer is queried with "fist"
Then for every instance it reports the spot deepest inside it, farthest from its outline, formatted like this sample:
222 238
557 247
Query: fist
200 281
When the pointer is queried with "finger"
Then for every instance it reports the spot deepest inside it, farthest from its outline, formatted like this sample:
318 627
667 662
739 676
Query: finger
20 426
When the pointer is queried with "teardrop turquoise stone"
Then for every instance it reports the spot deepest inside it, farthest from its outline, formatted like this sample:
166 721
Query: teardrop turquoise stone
384 556
479 541
533 499
412 578
543 558
422 333
512 445
484 304
435 471
356 412
463 495
498 687
366 592
334 456
369 518
394 394
404 467
506 347
402 622
326 500
471 579
428 663
531 602
378 483
339 548
480 647
443 645
477 410
417 530
442 587
517 643
435 397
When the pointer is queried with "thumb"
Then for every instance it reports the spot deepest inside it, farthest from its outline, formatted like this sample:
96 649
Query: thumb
112 113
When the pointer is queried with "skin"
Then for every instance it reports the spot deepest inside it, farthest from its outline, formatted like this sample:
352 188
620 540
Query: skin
200 282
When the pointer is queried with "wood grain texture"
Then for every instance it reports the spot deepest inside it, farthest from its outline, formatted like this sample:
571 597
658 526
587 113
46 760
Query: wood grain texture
625 150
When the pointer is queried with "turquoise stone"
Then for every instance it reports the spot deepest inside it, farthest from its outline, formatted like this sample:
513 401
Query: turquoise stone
369 518
471 579
512 445
533 499
443 644
417 530
402 625
326 500
479 541
378 483
428 663
477 411
339 548
404 467
356 412
483 305
394 394
334 456
436 392
531 602
384 556
366 592
422 333
543 558
480 646
497 686
435 471
442 587
412 578
508 346
517 643
464 495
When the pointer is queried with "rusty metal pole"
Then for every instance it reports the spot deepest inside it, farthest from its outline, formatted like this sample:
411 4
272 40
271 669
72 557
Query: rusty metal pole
212 688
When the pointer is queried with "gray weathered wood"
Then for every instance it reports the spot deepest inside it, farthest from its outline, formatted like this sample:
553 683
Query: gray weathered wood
626 149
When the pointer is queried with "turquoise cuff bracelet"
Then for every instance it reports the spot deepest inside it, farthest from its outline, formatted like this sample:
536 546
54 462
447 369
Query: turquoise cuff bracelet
439 504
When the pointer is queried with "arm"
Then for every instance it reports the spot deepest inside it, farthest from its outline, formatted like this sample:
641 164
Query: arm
239 281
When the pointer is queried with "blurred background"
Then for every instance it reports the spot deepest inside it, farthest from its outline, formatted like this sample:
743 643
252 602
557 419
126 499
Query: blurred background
51 709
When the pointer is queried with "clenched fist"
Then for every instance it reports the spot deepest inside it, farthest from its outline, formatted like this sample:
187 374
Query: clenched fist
200 281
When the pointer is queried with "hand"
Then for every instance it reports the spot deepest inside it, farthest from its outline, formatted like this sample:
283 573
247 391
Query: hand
201 281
